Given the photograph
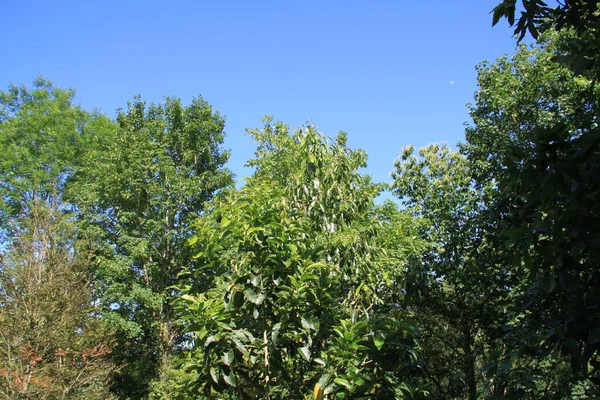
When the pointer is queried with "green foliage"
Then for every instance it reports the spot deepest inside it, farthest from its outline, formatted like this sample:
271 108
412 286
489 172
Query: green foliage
297 306
457 284
518 95
537 17
535 137
483 284
170 384
272 302
52 343
41 139
579 18
138 189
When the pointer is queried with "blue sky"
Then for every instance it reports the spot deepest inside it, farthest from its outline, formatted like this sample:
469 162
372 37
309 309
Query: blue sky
390 73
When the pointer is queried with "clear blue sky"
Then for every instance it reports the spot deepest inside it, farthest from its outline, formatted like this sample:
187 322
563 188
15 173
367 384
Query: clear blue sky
388 72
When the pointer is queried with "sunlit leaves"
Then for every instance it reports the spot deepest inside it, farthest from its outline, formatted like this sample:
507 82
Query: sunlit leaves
138 189
298 252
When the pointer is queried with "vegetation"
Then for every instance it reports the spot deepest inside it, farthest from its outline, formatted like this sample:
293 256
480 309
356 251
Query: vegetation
137 190
132 268
305 295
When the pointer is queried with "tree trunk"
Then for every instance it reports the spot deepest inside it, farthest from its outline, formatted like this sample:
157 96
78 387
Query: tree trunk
471 359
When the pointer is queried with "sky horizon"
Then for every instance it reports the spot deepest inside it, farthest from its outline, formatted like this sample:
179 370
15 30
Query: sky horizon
388 73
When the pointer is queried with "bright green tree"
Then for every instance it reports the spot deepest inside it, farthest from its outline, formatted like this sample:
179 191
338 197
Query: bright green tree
41 140
52 343
306 300
141 185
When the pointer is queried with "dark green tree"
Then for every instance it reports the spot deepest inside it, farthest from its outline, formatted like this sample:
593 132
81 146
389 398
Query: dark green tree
535 138
537 17
548 180
579 20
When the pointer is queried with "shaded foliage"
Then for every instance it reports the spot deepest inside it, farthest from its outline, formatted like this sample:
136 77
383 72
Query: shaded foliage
459 285
535 137
579 18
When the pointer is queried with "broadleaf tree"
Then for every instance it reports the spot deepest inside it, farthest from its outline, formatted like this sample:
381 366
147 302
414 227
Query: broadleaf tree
52 342
140 187
298 309
42 137
535 136
458 285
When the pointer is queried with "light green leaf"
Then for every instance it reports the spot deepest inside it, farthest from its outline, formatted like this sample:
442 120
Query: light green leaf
214 373
305 353
320 361
228 357
275 333
189 298
240 346
378 341
251 296
230 379
225 222
343 382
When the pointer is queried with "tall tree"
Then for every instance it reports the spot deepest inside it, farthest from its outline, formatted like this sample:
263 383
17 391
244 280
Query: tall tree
52 342
548 180
535 136
139 189
41 138
306 300
458 284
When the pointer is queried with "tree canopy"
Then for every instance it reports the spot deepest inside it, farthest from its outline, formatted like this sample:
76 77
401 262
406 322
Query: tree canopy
132 267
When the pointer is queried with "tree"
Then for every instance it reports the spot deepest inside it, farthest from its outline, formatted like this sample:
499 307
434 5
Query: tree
139 188
535 137
537 17
458 284
41 138
304 300
555 157
52 343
